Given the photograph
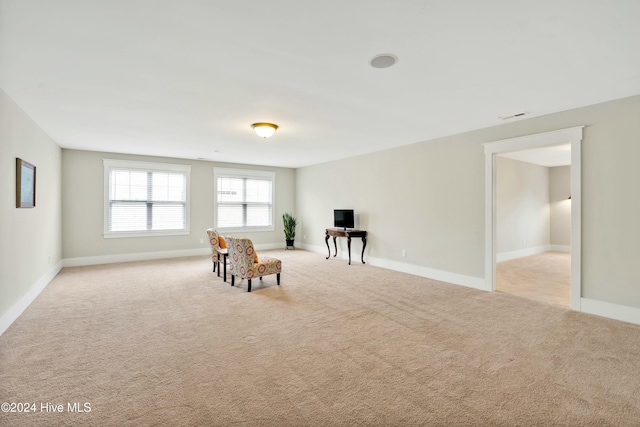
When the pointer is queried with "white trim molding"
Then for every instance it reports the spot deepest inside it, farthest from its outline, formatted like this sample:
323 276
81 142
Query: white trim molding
21 305
429 273
266 175
138 256
520 253
619 312
416 270
589 306
145 256
109 164
571 136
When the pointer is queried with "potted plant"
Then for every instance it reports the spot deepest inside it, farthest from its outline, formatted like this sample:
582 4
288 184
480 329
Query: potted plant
290 223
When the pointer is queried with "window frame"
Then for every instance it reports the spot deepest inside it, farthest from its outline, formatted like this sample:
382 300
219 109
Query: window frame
109 164
245 174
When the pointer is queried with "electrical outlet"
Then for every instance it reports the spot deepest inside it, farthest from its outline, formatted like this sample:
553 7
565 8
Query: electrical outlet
201 241
404 253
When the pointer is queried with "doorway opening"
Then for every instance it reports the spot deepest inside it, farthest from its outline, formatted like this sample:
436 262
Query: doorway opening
533 224
515 147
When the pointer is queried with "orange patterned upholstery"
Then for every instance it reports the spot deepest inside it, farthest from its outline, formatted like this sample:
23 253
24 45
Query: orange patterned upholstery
214 240
242 261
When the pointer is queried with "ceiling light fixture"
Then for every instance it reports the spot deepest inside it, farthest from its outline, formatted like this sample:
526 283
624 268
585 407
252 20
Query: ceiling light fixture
264 130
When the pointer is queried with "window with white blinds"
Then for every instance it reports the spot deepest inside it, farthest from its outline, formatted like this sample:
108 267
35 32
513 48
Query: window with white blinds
243 199
145 199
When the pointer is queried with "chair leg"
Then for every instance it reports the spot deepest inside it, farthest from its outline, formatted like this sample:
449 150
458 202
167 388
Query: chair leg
233 281
260 277
214 266
278 278
249 280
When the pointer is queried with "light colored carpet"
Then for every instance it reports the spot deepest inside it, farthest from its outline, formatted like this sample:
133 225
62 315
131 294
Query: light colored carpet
168 343
542 277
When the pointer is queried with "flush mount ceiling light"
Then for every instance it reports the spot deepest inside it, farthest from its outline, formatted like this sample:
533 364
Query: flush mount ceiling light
264 130
384 60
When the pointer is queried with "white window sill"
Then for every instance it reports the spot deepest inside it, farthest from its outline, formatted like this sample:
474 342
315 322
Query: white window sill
161 233
244 229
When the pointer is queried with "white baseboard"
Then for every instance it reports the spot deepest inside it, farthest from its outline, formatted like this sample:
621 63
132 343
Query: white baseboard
18 308
506 256
140 256
430 273
599 308
270 246
313 248
144 256
612 311
416 270
21 305
323 250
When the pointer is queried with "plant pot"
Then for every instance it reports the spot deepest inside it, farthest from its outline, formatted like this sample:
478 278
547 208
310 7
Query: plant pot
290 243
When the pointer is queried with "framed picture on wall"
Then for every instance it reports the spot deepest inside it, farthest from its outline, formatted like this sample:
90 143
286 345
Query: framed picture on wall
25 184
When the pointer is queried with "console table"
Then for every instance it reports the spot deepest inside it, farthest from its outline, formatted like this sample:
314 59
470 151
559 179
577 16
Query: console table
340 232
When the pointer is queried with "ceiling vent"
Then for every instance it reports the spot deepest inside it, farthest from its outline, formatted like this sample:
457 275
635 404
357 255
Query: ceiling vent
513 116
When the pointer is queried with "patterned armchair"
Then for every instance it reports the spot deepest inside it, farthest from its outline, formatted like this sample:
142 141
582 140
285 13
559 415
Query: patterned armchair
244 262
215 240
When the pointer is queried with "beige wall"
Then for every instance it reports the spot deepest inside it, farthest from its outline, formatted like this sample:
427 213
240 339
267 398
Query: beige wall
532 206
560 206
30 241
428 198
522 209
420 198
82 207
611 203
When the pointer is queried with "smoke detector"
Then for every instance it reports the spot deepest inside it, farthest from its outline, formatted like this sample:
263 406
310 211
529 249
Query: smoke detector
384 60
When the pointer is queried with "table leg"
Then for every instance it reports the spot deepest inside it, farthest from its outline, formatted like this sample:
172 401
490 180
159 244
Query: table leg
224 261
349 248
364 245
326 240
335 245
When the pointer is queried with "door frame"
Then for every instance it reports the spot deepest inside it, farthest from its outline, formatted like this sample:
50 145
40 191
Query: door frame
571 136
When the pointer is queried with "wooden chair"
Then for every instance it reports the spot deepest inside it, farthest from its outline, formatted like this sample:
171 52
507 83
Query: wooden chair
244 261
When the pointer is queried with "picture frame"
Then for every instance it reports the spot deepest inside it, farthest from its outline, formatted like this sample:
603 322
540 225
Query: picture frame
25 184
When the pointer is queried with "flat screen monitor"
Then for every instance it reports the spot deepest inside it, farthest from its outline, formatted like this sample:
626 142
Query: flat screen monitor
343 218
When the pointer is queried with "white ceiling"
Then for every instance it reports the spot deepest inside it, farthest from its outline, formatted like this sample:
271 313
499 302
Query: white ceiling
559 155
187 78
